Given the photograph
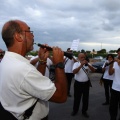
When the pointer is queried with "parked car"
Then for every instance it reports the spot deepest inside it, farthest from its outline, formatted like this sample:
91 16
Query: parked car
98 58
98 65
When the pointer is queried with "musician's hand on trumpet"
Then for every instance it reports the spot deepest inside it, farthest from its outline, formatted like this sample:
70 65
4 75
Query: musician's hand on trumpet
58 55
69 55
43 53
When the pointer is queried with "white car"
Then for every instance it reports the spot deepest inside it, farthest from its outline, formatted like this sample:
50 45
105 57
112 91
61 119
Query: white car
98 58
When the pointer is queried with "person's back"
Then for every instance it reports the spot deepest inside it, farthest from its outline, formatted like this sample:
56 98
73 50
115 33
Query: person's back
68 65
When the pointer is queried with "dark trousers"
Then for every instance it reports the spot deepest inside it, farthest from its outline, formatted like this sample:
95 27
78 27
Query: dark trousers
81 90
5 115
69 80
114 102
107 87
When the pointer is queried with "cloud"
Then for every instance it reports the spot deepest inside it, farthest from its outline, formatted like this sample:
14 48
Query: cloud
32 12
60 22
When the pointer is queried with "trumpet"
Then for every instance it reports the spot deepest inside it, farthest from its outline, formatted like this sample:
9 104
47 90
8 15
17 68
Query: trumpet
107 64
69 55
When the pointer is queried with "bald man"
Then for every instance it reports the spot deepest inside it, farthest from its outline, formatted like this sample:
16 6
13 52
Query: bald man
81 85
24 91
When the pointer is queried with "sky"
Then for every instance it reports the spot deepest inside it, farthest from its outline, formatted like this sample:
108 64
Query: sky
96 23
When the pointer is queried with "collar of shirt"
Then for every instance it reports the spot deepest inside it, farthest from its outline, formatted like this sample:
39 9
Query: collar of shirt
17 56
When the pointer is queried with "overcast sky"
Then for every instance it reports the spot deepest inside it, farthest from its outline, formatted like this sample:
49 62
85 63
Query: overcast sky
58 22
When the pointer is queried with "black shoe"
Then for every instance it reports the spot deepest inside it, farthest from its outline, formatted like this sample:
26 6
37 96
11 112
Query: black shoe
106 103
85 114
73 113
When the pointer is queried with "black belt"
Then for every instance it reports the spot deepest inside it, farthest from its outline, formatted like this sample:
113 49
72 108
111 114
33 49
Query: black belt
82 82
8 116
28 112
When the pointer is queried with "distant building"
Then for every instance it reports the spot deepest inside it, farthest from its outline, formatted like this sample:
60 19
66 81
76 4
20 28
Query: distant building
112 53
93 52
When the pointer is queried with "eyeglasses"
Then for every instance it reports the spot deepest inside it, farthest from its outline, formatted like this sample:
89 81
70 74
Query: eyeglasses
28 31
31 32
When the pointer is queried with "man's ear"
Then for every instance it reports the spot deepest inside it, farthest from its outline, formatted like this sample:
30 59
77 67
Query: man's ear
18 37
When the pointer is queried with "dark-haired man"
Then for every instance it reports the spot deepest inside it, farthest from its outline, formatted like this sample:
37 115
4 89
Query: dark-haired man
68 69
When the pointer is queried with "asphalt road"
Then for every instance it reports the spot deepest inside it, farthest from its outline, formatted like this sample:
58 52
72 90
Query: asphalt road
96 110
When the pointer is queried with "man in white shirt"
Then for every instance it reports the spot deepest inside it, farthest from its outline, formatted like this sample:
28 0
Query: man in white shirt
81 85
68 70
21 84
115 93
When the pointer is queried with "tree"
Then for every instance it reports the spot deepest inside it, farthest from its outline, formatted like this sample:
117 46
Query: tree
82 51
87 51
102 51
112 51
33 53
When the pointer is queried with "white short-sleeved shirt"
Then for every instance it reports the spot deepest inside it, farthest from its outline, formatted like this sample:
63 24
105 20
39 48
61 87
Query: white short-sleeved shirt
20 86
106 73
49 62
81 76
116 80
69 65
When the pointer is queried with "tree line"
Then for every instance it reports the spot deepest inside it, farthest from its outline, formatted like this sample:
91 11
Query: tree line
90 54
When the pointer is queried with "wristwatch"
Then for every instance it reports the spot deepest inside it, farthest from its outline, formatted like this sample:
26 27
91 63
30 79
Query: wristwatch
60 65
